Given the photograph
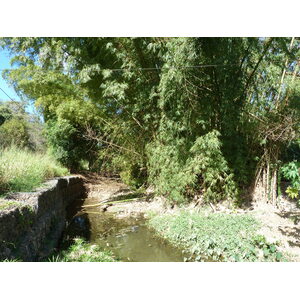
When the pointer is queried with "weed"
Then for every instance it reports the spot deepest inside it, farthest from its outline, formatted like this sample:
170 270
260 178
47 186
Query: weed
219 237
11 260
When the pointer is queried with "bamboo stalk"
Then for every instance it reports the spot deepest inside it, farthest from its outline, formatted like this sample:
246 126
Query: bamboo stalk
264 184
275 187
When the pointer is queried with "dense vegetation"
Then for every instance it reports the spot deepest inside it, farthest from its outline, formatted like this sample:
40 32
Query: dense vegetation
191 116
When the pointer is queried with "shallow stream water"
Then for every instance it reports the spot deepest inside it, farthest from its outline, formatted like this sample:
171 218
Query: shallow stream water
128 238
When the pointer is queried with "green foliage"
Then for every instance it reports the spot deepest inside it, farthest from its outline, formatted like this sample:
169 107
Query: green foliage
11 260
202 169
208 165
22 170
17 127
14 132
290 171
154 116
217 237
82 251
133 176
62 139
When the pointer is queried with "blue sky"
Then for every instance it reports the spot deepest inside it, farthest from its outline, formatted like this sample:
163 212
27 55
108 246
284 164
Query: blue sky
5 64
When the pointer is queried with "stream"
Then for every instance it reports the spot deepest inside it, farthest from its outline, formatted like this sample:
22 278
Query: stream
129 239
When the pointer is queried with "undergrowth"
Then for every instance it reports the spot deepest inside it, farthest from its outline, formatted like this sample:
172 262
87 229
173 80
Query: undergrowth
22 170
216 237
82 251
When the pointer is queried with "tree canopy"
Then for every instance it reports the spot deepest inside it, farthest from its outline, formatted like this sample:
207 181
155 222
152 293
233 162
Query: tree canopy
209 116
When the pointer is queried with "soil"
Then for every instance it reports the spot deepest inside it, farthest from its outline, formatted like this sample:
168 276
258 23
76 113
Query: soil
281 224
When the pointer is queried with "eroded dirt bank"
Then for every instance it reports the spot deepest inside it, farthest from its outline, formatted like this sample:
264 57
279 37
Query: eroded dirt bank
112 196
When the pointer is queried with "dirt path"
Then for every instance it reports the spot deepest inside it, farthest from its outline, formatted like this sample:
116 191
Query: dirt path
280 225
277 224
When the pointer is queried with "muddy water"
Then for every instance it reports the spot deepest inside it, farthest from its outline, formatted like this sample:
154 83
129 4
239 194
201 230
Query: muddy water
128 238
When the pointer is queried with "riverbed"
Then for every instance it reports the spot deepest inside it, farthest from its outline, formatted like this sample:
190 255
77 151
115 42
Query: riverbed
128 238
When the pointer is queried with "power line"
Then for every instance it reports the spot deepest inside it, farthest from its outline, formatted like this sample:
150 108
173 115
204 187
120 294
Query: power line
7 94
141 69
168 68
154 68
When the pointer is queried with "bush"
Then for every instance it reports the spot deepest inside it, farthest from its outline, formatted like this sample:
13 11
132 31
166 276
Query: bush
290 171
202 169
22 170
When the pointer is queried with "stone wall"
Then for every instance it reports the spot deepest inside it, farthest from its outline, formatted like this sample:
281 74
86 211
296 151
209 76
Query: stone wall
30 227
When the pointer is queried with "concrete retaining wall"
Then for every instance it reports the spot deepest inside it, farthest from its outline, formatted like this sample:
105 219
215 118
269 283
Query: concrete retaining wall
32 224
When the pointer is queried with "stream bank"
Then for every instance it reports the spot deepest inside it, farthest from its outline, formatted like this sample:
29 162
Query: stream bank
115 230
123 226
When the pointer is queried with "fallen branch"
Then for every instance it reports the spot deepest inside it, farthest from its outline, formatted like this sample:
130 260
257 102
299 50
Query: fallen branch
125 200
109 201
93 205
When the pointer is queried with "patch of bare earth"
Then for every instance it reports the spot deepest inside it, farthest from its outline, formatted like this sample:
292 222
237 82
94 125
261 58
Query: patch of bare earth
280 224
111 195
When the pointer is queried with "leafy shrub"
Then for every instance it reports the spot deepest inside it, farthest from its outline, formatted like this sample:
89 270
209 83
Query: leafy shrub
210 170
22 170
290 171
68 145
202 170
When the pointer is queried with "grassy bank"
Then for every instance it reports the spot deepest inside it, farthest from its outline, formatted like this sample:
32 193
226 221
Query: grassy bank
82 251
219 237
21 170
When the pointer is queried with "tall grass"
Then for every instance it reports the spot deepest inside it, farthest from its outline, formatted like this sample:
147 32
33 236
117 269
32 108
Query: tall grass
22 170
